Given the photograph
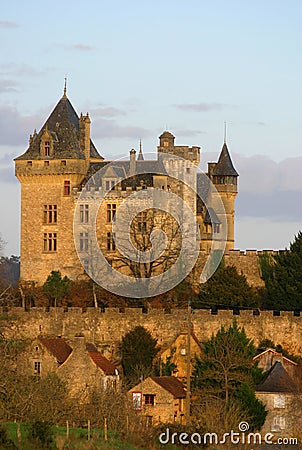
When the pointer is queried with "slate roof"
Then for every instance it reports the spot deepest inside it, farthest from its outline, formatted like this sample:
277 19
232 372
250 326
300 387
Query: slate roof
100 361
225 165
58 347
166 134
211 216
63 125
274 353
172 385
277 380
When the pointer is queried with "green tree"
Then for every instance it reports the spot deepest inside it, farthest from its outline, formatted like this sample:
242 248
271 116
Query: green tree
226 368
138 351
282 275
226 288
56 287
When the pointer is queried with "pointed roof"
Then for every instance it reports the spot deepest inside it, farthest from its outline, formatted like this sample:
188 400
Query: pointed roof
211 217
140 154
172 385
58 347
63 126
101 361
225 165
277 380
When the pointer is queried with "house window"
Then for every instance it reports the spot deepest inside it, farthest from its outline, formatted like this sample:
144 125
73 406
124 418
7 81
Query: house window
37 367
29 163
137 400
111 211
142 222
110 241
278 423
47 148
279 401
63 163
149 399
50 214
84 213
83 242
46 163
66 187
50 242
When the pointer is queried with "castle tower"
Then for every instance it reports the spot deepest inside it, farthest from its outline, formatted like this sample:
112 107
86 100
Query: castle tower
50 172
224 177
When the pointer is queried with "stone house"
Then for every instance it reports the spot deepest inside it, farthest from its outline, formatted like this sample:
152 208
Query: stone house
160 399
279 393
177 352
268 357
80 364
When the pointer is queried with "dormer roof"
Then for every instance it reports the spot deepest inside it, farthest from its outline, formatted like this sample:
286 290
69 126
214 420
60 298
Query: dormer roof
225 166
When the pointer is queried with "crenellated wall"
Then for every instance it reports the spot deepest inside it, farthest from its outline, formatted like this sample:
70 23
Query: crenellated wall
106 328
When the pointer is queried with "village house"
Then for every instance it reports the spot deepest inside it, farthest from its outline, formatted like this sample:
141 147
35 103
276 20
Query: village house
160 399
268 357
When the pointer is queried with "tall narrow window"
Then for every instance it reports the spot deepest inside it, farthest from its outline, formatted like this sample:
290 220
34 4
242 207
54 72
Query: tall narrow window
66 187
50 214
37 367
142 222
110 242
84 213
83 242
111 211
50 242
46 148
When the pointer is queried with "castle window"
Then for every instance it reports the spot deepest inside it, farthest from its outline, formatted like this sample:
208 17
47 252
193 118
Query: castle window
217 228
166 144
110 242
29 163
83 242
50 214
109 185
84 213
63 163
50 242
46 148
66 187
37 367
111 211
149 399
142 222
46 163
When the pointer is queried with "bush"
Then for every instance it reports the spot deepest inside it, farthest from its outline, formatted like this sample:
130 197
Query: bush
41 433
5 442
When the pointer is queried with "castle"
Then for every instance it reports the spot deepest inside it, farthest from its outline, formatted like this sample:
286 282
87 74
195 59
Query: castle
59 161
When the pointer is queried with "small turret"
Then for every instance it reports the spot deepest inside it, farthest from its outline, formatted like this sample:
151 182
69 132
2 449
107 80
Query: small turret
166 140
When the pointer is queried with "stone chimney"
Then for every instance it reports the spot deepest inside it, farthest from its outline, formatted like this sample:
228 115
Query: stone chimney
132 162
84 124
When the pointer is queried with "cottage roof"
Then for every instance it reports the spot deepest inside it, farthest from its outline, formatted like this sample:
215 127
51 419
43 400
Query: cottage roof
63 127
277 380
58 347
100 361
172 385
225 165
274 353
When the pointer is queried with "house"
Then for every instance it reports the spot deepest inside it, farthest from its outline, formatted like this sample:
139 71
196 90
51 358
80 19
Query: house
268 357
160 399
78 363
177 350
279 394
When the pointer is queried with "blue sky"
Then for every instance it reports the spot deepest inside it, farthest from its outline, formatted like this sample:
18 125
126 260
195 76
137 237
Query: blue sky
139 67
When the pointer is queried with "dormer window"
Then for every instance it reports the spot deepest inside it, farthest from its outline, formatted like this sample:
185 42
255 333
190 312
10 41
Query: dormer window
166 144
46 144
47 148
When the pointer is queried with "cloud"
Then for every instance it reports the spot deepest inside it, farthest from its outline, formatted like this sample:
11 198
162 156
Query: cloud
188 132
106 111
201 107
8 24
19 70
7 86
106 128
15 128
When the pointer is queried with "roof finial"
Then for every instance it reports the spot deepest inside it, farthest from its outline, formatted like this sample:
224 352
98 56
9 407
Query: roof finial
225 132
65 85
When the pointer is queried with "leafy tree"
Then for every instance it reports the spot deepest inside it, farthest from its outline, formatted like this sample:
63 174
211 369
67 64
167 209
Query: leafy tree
226 369
56 287
138 351
282 275
226 288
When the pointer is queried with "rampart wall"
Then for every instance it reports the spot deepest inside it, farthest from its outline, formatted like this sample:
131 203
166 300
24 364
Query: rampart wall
106 328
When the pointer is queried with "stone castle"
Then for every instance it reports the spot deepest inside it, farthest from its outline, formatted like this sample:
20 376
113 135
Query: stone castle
53 172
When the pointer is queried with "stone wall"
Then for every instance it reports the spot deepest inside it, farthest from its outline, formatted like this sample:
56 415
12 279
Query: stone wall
107 328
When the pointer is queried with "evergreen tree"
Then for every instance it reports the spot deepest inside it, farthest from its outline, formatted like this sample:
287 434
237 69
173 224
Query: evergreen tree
282 274
56 287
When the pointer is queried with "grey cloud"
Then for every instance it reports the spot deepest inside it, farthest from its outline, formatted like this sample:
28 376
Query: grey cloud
15 128
201 107
8 24
106 128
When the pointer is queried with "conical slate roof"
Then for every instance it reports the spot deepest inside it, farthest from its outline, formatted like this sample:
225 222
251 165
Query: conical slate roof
225 165
277 380
63 126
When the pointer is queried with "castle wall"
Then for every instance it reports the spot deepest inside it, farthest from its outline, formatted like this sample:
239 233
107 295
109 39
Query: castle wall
106 329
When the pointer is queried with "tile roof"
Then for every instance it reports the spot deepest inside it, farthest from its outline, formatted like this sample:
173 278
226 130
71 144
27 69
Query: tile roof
277 380
225 165
100 361
58 347
172 385
274 353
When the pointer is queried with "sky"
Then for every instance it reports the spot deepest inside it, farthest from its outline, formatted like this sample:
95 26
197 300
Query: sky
139 68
